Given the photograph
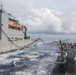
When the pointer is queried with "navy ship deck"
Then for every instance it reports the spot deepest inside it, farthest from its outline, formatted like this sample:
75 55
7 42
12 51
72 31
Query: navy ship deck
69 68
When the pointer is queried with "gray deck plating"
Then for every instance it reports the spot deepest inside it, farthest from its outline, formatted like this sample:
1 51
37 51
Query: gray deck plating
69 67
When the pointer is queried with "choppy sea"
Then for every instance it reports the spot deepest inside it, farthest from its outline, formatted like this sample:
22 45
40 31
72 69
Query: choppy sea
36 60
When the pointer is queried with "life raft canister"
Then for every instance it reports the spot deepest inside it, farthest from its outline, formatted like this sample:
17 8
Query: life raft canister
15 26
19 27
12 25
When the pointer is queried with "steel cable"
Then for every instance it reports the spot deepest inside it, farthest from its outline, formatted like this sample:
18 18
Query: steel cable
19 47
31 44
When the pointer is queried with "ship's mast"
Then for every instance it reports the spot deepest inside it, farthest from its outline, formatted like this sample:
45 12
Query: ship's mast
1 6
1 10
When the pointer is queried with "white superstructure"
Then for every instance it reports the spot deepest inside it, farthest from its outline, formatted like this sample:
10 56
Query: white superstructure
12 33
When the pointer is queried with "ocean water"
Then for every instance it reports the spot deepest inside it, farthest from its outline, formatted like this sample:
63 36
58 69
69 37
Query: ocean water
36 60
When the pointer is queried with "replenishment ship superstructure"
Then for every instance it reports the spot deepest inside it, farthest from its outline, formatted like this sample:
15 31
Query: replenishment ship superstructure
12 33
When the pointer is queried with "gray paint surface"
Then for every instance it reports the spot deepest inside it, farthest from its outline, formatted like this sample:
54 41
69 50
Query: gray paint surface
6 32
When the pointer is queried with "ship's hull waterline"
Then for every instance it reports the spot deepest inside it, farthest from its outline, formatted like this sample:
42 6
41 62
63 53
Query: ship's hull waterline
16 45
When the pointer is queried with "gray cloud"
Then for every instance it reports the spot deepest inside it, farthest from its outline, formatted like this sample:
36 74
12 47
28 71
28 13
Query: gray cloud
69 23
43 19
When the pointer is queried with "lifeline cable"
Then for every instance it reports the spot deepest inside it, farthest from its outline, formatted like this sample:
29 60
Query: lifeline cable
33 43
20 47
9 39
42 40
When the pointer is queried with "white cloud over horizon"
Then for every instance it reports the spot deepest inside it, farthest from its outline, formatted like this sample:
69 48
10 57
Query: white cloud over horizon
44 19
50 21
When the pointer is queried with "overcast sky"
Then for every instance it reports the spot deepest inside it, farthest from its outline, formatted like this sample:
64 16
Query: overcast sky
46 16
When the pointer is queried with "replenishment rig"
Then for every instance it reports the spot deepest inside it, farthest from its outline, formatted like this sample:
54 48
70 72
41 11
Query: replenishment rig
66 61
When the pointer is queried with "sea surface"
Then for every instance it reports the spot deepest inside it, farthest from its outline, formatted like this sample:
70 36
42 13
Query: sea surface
36 60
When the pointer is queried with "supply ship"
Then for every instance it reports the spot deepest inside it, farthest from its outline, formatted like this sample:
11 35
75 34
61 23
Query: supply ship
13 35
